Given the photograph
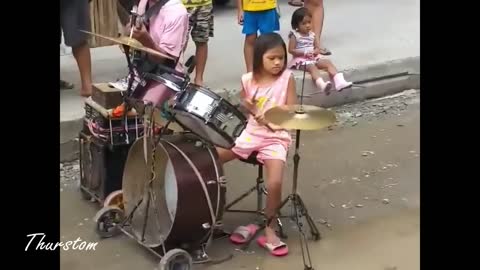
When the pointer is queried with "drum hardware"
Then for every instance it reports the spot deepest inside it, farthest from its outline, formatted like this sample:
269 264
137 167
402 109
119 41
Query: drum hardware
259 187
160 239
131 43
208 115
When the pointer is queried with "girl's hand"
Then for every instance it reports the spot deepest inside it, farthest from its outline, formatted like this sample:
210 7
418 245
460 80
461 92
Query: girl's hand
275 127
260 118
316 51
262 121
249 105
310 54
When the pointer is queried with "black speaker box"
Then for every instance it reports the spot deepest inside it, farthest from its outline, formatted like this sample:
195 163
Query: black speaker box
101 166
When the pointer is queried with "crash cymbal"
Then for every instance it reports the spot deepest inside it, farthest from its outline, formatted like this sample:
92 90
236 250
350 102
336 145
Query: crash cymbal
131 42
302 117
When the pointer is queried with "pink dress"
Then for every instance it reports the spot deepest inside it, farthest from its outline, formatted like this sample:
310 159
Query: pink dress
168 29
257 137
305 44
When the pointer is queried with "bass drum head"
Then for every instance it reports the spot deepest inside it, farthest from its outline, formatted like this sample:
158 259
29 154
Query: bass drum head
187 195
195 105
136 178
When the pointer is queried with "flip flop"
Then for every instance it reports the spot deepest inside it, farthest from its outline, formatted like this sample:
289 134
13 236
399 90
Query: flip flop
296 3
66 85
281 249
325 51
243 233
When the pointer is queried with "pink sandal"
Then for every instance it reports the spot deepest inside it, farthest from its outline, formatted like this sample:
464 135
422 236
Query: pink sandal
243 233
281 249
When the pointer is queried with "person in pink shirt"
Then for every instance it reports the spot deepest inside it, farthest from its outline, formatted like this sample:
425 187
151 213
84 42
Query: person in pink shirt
270 84
167 34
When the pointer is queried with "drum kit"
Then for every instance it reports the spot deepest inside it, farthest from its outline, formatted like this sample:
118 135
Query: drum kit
173 187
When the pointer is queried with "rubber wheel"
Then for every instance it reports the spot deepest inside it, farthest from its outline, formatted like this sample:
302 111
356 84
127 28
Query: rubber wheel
114 199
176 259
107 221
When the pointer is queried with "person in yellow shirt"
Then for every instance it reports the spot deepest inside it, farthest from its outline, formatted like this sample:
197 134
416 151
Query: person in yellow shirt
256 16
201 29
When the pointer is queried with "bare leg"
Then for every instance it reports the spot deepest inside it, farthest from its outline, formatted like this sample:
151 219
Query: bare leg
225 155
316 9
201 55
248 51
274 187
82 56
328 65
318 80
313 70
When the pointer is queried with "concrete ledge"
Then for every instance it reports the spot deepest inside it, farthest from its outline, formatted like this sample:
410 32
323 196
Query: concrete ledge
69 129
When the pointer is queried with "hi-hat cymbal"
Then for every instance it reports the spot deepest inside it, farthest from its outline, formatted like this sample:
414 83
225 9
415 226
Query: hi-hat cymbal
131 42
302 117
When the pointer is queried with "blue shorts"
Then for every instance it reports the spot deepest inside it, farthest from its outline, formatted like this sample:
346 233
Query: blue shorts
264 21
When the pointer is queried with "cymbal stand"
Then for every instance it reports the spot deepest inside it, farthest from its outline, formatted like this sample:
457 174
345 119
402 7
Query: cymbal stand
299 208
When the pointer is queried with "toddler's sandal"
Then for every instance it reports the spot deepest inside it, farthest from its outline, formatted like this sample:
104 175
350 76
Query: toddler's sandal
279 250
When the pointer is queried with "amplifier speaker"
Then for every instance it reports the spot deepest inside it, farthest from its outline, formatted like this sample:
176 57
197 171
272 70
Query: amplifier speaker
101 166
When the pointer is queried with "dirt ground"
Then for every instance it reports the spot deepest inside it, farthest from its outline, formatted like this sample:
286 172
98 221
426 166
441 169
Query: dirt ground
360 181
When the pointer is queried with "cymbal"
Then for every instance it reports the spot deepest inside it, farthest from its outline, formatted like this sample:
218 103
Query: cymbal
131 42
302 117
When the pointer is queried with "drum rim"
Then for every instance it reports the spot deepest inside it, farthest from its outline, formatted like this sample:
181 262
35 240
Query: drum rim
179 107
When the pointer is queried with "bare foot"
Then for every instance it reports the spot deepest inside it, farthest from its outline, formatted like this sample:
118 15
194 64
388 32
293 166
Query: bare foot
86 92
198 82
271 236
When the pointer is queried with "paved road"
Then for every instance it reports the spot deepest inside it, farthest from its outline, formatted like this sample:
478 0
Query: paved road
358 33
370 159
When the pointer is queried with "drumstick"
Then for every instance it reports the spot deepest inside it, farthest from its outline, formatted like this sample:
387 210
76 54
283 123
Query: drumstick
253 114
253 100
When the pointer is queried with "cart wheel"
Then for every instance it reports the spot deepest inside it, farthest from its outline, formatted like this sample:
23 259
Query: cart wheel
114 199
176 259
107 221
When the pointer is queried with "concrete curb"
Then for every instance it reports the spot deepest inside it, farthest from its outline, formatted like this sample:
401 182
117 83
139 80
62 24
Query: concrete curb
373 89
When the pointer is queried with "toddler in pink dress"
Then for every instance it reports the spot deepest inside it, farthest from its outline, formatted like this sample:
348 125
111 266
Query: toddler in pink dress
304 47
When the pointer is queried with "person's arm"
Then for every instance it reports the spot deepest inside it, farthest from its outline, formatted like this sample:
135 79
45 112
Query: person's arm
240 11
316 46
292 43
172 37
291 92
291 100
146 39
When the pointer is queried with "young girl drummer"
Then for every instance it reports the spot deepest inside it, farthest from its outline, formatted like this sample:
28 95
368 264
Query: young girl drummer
270 84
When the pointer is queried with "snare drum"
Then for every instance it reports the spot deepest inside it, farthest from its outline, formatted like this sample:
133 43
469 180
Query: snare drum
209 116
171 81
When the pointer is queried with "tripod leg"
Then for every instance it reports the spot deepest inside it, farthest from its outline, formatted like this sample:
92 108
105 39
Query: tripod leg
281 233
311 224
302 237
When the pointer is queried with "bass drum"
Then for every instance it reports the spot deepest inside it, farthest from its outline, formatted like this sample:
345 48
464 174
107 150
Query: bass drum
187 197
